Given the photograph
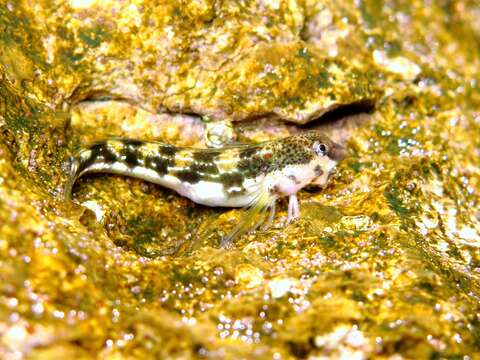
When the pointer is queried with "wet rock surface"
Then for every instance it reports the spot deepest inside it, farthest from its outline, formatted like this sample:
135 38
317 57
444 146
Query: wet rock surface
383 263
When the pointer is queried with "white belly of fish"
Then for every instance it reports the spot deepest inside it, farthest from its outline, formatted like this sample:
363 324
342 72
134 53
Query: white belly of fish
208 193
213 193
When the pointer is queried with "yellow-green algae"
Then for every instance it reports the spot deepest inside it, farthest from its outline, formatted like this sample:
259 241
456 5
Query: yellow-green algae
384 263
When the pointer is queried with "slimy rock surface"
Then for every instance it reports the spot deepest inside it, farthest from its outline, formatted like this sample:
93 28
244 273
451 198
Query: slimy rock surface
383 263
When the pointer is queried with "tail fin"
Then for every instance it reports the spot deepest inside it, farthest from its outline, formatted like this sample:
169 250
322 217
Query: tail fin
74 165
85 161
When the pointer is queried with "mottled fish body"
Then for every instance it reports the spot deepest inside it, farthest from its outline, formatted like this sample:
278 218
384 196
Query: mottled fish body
243 176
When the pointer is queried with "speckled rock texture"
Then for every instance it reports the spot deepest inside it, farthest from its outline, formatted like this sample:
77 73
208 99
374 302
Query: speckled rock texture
383 263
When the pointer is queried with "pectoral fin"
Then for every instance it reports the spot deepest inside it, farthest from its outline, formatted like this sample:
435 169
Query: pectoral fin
263 201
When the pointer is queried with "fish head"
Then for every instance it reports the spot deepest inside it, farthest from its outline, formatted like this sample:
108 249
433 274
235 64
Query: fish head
305 159
326 154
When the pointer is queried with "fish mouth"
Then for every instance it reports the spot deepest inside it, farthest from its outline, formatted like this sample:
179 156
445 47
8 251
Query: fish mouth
338 152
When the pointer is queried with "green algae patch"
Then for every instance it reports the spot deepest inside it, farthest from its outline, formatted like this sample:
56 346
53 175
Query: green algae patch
383 263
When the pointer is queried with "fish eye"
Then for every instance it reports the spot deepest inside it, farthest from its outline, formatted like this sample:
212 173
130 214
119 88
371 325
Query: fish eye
320 149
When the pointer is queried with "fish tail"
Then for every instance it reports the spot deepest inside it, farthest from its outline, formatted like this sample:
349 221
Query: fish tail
73 165
147 160
86 160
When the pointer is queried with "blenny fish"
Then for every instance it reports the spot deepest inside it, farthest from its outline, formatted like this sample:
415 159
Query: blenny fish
250 176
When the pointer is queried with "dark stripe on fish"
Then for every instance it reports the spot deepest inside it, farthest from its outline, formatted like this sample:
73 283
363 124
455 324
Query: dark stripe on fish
99 153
